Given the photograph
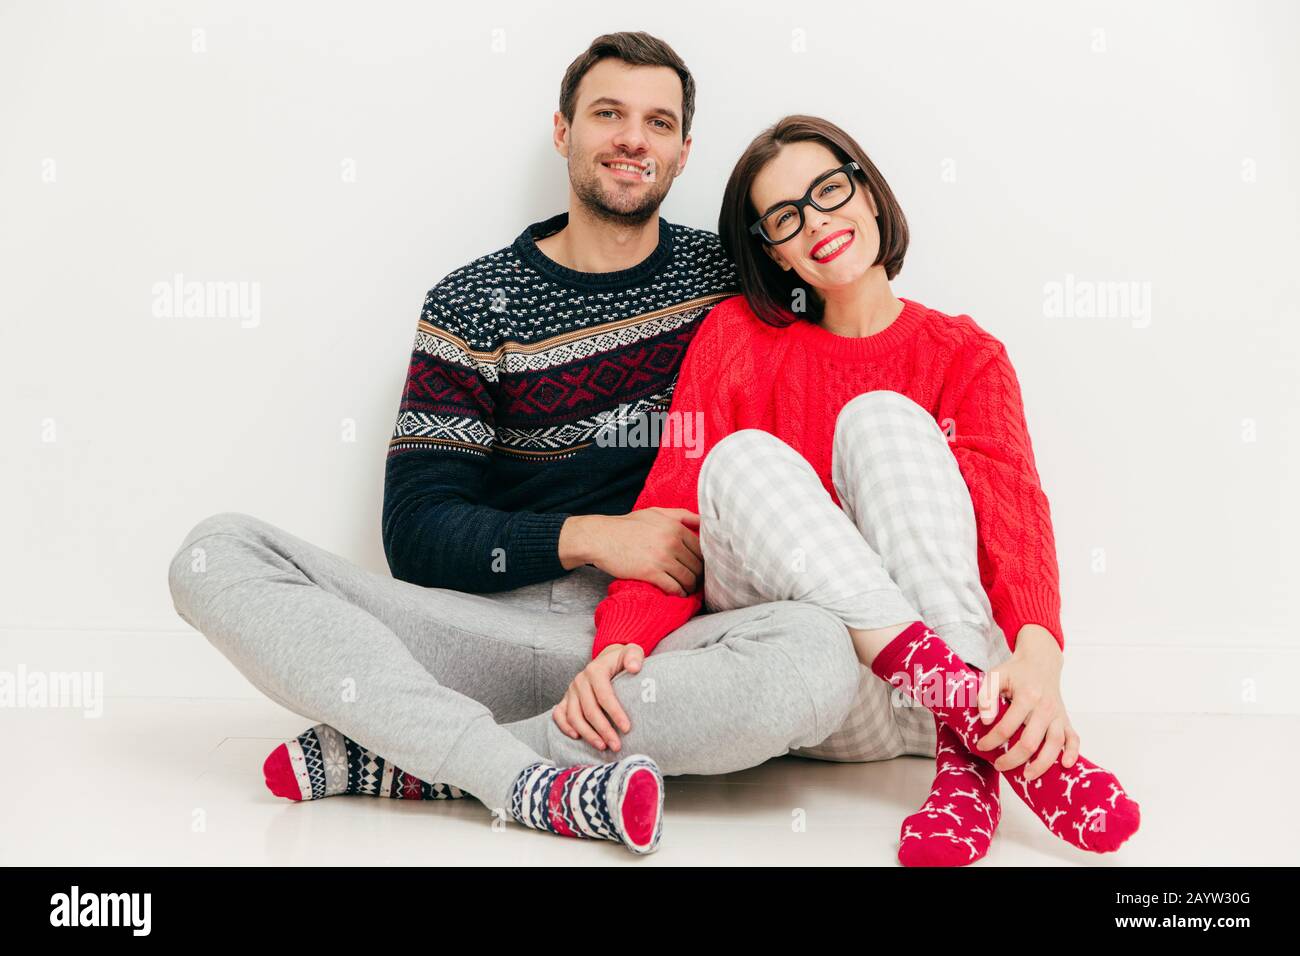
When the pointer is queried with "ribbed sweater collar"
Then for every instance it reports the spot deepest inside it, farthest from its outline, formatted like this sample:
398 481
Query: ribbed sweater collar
526 246
856 348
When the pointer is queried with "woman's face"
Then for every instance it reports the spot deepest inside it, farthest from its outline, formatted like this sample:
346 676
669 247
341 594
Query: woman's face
787 177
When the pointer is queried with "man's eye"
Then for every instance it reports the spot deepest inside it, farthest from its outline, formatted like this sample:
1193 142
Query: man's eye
663 124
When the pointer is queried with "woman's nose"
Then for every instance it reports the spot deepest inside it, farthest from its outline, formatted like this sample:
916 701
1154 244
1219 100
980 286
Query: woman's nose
815 220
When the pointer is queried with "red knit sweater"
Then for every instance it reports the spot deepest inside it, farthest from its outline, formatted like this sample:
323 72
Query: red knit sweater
742 373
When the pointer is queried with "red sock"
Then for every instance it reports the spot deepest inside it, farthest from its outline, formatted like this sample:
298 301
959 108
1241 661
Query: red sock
955 824
1085 805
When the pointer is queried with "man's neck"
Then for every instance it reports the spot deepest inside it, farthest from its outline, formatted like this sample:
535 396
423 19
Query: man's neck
862 309
589 243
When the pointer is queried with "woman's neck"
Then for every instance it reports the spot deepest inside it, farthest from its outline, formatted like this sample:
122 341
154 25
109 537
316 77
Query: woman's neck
863 308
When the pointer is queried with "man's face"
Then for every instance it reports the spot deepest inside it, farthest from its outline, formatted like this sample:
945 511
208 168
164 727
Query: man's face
629 115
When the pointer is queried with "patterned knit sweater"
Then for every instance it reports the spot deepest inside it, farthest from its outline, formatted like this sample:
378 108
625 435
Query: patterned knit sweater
743 373
518 363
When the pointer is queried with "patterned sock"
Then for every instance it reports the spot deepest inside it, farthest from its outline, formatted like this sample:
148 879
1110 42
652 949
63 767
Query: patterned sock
621 801
321 762
955 824
1099 816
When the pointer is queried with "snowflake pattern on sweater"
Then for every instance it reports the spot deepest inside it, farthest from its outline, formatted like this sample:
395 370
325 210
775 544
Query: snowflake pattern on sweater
517 364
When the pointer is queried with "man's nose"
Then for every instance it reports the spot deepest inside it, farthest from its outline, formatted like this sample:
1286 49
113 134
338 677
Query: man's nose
630 137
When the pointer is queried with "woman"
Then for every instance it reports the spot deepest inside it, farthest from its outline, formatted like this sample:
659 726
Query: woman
870 455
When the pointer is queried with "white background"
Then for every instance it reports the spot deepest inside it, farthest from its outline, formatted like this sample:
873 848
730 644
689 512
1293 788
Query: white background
1027 142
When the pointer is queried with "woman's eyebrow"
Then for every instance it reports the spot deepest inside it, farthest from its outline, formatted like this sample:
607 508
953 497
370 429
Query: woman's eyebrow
782 202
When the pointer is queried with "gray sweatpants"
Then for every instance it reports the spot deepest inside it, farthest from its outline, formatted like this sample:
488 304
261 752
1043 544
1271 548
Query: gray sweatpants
457 688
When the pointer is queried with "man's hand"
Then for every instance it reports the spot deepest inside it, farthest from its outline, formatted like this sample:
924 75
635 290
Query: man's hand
1032 681
590 704
658 545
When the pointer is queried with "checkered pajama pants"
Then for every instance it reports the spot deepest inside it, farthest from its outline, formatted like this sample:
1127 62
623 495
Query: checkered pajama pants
902 547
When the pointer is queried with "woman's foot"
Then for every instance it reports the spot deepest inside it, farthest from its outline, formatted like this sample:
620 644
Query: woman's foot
955 824
321 762
1085 805
621 801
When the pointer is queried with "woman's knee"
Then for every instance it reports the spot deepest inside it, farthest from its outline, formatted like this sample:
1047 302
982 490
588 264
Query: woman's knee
743 445
869 409
748 454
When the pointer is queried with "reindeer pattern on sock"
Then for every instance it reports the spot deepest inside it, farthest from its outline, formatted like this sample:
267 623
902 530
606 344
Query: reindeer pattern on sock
1068 801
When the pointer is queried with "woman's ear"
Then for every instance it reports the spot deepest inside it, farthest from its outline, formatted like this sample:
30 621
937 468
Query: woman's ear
775 258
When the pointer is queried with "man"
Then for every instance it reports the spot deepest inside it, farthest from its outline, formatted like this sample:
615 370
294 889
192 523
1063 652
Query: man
505 517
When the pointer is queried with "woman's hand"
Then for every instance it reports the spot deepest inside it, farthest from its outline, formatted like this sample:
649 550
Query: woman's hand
1032 682
590 704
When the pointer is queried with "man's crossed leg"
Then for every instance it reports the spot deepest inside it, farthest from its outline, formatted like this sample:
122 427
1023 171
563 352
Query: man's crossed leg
456 688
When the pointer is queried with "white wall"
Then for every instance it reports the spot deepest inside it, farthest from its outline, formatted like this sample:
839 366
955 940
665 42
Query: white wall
1151 143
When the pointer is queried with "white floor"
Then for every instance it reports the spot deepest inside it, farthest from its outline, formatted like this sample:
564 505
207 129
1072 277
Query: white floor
178 781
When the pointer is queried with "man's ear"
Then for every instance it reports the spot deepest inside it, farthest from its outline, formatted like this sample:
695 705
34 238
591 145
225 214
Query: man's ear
560 135
681 157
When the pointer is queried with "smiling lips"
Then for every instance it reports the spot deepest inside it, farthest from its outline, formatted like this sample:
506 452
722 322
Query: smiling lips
626 168
832 245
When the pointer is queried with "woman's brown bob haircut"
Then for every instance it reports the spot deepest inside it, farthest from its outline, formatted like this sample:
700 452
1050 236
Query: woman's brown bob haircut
771 290
637 49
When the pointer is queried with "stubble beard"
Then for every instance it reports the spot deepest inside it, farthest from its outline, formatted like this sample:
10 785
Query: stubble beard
611 207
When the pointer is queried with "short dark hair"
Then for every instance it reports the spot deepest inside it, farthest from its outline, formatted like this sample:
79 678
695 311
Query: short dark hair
769 288
638 49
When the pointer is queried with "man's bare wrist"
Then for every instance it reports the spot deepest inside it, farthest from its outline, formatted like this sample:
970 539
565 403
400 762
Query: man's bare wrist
576 546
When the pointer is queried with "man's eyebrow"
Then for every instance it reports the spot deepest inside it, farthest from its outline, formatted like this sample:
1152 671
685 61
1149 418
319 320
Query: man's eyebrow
609 100
782 202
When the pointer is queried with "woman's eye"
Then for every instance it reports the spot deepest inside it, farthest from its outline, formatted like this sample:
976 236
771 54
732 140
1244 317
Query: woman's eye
829 187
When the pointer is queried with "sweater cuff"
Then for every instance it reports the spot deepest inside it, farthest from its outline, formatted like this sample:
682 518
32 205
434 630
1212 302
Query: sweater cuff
1031 605
534 552
624 622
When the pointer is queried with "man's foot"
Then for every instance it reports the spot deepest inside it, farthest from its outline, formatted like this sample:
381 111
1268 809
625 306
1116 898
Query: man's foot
955 824
621 801
321 762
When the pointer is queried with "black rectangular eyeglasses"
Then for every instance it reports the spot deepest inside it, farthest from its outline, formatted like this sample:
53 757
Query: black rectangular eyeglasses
828 191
